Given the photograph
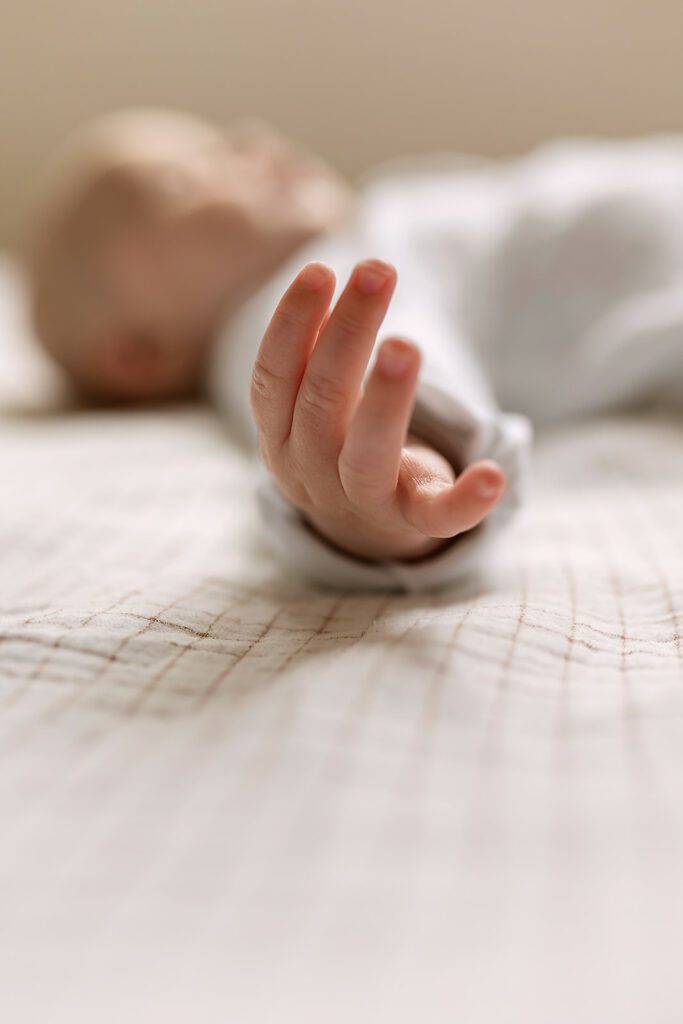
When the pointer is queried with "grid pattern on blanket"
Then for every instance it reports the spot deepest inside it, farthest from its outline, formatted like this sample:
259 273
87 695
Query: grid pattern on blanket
225 796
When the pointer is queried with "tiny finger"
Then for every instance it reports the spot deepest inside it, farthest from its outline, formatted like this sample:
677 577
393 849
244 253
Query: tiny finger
331 385
371 455
285 350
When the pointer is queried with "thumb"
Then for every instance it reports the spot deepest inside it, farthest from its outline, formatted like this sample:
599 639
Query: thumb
438 507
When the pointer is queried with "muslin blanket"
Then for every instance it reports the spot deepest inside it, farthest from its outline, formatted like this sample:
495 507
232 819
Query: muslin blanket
224 797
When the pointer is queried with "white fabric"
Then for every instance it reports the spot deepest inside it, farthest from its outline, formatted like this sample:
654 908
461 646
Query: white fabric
551 287
228 798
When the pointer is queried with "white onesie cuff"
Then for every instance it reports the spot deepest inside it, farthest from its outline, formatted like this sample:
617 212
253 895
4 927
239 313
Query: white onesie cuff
462 437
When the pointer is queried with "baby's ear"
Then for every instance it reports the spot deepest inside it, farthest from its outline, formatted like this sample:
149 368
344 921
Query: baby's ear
130 364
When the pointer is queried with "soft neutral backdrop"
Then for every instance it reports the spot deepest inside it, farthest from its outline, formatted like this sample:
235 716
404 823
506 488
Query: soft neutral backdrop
359 79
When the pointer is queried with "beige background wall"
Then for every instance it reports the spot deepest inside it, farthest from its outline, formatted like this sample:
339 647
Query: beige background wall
359 79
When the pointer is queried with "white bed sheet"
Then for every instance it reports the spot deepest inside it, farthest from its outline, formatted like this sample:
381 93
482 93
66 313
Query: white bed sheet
227 798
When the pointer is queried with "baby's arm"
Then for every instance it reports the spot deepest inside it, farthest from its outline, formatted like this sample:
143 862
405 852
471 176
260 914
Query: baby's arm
339 453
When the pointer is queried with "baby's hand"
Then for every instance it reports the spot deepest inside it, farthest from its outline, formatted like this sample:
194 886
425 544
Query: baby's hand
340 452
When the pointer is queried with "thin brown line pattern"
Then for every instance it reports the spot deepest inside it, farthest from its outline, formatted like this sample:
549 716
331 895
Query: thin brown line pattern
114 655
155 682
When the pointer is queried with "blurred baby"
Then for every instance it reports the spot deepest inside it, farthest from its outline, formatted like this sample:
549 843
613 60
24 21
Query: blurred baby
167 256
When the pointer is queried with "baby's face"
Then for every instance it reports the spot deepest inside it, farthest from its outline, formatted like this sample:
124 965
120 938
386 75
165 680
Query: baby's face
216 214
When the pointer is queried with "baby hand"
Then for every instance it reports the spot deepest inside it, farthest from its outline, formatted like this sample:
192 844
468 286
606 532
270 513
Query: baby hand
340 452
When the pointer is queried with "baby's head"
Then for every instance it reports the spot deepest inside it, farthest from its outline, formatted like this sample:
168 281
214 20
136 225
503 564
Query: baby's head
153 228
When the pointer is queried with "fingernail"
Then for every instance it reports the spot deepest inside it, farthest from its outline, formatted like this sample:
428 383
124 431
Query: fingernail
371 277
395 359
489 489
313 277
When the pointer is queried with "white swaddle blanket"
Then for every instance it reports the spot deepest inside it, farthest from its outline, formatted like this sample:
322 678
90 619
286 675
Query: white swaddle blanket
551 286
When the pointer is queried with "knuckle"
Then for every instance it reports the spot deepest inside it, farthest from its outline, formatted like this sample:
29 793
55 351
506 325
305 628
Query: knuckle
347 323
264 382
287 320
360 480
322 395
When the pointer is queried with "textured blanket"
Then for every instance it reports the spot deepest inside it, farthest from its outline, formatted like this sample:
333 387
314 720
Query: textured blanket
226 797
